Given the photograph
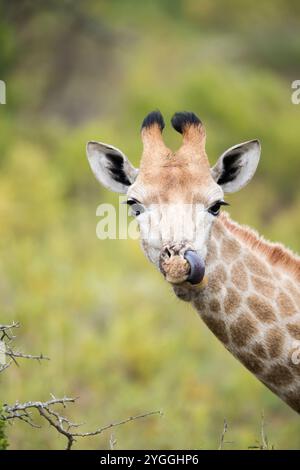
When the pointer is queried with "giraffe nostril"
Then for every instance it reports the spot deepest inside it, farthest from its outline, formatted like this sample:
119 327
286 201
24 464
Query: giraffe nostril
168 252
197 267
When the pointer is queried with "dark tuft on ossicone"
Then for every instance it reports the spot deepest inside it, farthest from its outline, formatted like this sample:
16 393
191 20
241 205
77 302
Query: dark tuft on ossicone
155 117
181 120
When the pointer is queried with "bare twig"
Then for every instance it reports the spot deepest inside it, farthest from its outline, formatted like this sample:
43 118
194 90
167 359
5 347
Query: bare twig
7 337
22 411
112 442
9 327
263 444
18 354
222 439
37 404
263 436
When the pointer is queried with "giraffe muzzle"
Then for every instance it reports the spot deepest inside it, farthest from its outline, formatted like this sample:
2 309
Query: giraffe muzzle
179 267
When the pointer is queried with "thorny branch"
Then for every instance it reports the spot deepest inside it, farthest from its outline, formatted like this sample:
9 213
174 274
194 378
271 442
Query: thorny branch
48 409
7 337
23 412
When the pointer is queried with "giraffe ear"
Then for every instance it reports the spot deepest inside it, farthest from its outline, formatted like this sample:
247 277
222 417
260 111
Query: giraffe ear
235 168
111 167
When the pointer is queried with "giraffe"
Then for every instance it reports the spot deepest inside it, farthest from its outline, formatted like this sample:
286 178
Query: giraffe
245 288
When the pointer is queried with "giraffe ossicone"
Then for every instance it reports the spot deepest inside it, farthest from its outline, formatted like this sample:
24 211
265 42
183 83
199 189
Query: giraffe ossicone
245 288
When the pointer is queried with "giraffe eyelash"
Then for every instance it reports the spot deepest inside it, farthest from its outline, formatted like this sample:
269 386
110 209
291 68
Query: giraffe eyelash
224 203
131 202
136 207
214 209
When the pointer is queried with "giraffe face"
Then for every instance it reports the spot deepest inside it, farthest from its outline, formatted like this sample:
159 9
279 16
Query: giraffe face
175 196
175 206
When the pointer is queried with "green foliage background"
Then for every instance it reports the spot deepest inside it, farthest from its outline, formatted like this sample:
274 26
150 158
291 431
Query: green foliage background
117 336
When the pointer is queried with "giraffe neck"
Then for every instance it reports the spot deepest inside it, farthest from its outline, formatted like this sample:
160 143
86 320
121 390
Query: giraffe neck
252 304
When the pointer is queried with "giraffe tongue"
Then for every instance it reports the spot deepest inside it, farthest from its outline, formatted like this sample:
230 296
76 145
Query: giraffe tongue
197 267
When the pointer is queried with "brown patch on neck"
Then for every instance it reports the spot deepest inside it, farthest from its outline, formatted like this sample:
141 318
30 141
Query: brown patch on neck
275 253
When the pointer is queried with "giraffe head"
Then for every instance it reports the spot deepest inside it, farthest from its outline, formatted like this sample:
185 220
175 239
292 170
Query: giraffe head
175 196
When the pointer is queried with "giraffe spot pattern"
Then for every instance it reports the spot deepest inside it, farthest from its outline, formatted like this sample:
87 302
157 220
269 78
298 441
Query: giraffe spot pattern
217 279
253 363
279 375
183 293
293 291
256 266
242 330
214 306
259 350
230 249
262 286
218 327
232 300
285 304
293 399
262 309
294 330
239 276
274 342
200 305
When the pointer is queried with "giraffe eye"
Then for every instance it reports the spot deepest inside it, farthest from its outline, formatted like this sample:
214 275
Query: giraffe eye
215 208
135 206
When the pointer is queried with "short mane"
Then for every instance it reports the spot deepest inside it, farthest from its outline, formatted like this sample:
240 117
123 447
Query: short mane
275 253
